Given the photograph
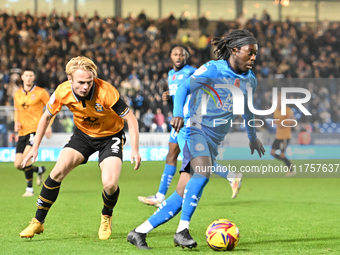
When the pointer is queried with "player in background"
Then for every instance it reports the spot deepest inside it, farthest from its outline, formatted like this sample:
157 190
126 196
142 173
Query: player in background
29 102
200 138
99 115
283 135
181 71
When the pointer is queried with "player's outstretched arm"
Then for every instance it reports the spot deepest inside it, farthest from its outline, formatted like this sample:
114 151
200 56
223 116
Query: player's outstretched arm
134 136
43 124
48 133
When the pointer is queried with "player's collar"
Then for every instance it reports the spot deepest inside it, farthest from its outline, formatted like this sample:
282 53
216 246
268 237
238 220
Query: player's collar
23 89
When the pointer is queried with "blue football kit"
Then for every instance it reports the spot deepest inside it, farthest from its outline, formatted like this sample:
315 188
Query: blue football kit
214 89
210 111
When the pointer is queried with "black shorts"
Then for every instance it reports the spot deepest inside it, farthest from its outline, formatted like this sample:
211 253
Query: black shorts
281 144
24 141
109 146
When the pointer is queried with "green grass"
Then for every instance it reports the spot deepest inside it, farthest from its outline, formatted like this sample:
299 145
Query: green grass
274 215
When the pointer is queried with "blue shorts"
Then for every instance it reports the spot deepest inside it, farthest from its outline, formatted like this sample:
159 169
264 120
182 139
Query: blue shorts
173 136
193 144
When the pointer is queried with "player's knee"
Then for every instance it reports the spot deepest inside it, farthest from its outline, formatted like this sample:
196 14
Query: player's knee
110 188
56 175
273 153
18 166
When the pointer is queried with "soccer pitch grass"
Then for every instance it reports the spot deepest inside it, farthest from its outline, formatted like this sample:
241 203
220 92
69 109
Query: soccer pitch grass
274 215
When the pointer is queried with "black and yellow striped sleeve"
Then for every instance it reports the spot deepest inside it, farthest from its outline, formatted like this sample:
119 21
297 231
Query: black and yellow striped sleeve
121 108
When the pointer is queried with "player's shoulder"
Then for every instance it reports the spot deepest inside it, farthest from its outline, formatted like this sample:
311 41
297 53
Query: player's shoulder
63 89
18 91
104 85
206 69
189 68
40 89
171 72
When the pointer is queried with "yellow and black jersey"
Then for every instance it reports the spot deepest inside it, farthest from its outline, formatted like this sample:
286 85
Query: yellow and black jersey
97 115
29 106
281 131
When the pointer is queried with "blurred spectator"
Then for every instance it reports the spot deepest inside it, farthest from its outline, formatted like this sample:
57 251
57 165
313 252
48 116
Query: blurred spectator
147 121
158 124
132 54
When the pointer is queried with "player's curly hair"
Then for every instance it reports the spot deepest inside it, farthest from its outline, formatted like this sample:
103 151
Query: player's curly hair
83 63
224 44
187 53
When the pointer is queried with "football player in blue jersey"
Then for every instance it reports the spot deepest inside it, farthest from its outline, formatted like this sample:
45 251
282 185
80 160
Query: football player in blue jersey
199 139
181 71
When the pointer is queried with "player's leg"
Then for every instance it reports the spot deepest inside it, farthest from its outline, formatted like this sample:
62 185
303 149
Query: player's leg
168 209
110 162
111 168
282 146
168 174
193 191
283 157
22 148
68 160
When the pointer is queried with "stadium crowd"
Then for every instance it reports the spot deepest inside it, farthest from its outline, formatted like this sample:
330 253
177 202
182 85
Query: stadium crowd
132 54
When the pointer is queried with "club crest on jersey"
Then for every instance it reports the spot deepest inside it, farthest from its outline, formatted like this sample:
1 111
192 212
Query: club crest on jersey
98 107
180 77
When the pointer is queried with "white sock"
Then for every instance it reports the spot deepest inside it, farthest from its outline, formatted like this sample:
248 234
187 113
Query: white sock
145 228
183 224
29 189
160 197
40 170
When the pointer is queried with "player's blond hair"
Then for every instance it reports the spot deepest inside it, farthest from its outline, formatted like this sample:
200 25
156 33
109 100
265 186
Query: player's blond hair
83 63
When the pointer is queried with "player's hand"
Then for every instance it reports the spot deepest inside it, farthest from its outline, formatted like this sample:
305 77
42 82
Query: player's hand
257 145
165 95
32 154
17 126
137 158
177 123
48 132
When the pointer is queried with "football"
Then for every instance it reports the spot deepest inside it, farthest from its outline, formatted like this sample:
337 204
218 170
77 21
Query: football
222 235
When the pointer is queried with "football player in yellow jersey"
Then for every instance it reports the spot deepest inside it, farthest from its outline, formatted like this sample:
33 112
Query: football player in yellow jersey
99 116
29 102
283 134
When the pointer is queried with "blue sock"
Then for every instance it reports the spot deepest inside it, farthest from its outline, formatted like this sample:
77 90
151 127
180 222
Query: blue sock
169 208
192 194
168 174
221 170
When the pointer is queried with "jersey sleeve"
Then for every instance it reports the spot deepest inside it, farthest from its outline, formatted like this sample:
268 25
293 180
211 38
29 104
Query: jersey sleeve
54 104
116 103
192 84
121 108
44 96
